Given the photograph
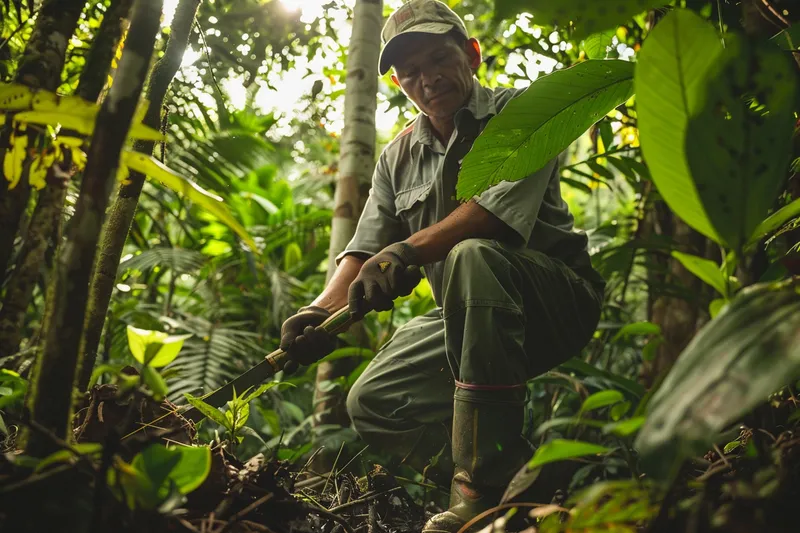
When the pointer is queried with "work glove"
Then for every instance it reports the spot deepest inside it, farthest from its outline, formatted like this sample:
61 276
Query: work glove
303 341
390 273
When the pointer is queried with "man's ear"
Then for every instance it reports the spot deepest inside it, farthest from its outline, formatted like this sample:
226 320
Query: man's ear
473 49
394 80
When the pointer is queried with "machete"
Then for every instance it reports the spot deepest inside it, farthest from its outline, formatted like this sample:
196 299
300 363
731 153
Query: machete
337 323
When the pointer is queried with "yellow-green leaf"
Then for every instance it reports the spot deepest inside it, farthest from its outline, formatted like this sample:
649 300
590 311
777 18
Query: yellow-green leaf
74 113
15 96
15 159
180 184
140 339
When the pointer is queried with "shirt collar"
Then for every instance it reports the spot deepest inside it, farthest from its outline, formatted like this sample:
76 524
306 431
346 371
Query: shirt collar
480 105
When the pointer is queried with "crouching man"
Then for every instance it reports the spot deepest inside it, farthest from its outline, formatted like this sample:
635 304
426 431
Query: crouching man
515 289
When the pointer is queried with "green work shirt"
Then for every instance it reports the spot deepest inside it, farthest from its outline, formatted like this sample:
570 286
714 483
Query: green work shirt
414 186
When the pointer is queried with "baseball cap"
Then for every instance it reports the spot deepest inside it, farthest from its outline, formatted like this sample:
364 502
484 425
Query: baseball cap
416 16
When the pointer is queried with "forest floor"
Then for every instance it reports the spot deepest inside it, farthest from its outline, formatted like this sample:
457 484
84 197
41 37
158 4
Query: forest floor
752 485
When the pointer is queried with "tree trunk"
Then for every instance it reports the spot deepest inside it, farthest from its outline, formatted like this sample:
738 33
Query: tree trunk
120 216
679 315
356 165
44 231
40 67
50 402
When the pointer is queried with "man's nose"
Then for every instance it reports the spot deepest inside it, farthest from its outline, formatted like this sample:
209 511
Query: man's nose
430 77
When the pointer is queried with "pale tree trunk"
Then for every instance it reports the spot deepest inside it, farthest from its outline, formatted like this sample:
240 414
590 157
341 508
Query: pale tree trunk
44 231
356 164
50 401
40 67
121 214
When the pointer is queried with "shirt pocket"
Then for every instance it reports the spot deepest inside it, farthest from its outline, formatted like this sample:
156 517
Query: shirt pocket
410 204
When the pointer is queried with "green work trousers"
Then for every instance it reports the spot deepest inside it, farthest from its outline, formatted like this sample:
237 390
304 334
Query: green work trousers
507 315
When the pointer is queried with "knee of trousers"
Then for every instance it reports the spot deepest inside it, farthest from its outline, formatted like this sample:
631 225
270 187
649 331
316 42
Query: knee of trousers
367 412
470 253
472 266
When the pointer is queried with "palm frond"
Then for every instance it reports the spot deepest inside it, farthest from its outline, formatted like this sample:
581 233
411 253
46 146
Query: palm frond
178 259
217 352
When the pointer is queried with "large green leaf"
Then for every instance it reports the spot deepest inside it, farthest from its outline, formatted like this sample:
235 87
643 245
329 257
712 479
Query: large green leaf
739 143
586 16
212 203
751 349
544 120
705 269
674 60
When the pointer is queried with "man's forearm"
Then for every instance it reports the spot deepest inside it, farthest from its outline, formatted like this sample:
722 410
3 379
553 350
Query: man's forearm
468 221
334 297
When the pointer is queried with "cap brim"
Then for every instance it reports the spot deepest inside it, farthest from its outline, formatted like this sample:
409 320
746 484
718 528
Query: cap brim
390 49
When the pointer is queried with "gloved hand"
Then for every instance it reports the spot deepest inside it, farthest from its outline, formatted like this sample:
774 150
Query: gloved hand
302 340
390 273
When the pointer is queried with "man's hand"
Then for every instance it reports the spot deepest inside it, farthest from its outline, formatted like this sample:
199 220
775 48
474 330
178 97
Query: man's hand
302 340
390 273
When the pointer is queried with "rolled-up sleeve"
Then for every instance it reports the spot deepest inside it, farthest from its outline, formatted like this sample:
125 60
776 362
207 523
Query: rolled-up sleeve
517 203
379 225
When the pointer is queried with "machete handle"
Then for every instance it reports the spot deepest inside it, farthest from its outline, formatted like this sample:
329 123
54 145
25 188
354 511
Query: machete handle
338 322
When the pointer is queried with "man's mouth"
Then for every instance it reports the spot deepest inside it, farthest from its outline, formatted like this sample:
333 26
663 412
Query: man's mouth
439 95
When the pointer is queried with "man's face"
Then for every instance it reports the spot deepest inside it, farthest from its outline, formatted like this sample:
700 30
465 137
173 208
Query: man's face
436 73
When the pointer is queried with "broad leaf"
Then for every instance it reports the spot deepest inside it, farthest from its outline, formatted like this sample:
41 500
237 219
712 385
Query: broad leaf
562 449
733 364
544 120
180 184
624 428
586 16
140 339
637 328
184 466
739 143
705 269
600 399
596 45
668 70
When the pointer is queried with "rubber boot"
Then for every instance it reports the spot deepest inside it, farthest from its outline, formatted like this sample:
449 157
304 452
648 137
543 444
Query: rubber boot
488 449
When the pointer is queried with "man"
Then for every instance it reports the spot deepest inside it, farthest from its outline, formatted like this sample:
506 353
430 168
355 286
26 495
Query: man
515 288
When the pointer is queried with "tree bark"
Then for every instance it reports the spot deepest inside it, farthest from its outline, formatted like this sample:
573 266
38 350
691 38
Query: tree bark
121 214
678 315
44 231
40 67
50 402
356 165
